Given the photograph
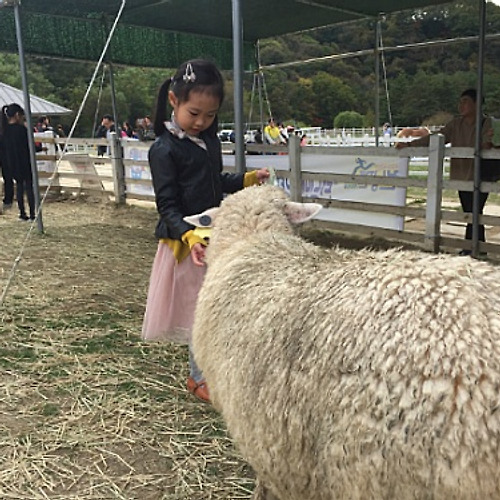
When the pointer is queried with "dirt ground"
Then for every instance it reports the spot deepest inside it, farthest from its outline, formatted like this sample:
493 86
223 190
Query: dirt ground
88 410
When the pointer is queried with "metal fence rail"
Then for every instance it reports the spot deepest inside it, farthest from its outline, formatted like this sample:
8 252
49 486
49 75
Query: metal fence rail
127 179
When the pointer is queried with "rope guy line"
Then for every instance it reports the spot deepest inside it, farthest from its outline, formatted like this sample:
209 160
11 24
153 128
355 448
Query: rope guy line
64 151
366 52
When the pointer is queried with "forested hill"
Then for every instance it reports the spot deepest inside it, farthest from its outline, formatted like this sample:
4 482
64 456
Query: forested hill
423 84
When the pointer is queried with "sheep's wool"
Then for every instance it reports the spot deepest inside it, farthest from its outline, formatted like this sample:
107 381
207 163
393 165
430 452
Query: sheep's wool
350 374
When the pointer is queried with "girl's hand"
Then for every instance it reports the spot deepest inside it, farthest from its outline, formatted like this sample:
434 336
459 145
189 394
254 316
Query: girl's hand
262 175
198 254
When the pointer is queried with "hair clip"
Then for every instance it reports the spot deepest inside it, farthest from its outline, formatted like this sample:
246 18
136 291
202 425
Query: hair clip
189 76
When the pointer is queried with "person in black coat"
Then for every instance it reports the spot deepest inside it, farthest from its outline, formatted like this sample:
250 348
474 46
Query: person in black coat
16 162
8 180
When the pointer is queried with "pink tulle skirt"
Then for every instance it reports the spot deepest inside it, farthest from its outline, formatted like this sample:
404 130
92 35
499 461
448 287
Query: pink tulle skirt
173 291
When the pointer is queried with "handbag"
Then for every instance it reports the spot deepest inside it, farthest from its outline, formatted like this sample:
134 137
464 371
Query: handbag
490 168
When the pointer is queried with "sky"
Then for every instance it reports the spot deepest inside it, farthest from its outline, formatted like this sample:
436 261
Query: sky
496 1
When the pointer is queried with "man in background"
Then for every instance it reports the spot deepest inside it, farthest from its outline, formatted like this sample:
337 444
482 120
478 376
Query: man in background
103 132
461 132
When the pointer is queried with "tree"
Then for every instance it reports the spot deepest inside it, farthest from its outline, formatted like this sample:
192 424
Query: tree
303 98
421 82
330 96
348 119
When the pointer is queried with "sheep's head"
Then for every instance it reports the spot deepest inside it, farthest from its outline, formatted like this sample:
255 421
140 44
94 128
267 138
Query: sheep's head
252 210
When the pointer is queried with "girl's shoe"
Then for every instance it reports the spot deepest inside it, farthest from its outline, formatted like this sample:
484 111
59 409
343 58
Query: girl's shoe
198 389
23 217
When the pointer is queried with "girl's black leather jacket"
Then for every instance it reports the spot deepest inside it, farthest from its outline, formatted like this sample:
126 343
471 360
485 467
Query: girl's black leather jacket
187 180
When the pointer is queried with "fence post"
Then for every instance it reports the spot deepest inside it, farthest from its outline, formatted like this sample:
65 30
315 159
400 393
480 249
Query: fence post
434 193
294 162
118 168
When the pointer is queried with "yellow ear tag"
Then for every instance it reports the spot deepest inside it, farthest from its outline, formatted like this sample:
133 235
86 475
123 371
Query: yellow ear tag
203 232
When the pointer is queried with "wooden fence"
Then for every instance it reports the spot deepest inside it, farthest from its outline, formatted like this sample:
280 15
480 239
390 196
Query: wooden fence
81 172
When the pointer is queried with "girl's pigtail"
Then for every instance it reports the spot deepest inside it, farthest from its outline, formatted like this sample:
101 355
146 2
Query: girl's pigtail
4 121
161 108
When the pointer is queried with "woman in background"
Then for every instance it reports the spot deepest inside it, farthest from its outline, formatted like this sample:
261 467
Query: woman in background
16 160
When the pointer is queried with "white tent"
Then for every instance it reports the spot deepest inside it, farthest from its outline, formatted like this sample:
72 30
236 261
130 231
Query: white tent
39 106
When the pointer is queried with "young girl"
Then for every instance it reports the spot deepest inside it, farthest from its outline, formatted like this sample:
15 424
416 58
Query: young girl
16 159
186 166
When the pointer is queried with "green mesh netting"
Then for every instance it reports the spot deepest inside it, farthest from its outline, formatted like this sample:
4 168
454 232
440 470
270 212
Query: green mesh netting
131 45
214 18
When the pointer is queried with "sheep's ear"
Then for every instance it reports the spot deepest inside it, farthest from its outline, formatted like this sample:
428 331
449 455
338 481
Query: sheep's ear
205 219
301 212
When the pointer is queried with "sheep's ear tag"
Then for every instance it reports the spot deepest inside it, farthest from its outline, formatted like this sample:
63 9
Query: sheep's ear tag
297 213
205 221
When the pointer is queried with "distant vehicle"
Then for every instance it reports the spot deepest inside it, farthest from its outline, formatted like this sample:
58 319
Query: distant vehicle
225 134
250 136
309 131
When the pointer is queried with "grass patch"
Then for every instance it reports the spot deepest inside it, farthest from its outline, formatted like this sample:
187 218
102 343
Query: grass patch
88 410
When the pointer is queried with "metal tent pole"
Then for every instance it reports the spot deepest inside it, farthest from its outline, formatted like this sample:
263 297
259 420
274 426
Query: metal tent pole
259 87
261 104
478 138
377 81
238 85
109 66
29 121
113 95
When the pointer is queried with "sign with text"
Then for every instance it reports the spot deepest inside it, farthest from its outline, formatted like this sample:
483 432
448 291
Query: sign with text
134 150
47 166
373 166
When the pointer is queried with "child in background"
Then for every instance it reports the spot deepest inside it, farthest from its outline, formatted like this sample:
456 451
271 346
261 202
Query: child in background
186 167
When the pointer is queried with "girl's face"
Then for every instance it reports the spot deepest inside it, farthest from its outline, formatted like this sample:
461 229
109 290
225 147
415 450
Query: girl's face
197 113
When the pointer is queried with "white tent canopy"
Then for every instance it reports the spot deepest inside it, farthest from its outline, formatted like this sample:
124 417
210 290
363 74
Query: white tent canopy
39 106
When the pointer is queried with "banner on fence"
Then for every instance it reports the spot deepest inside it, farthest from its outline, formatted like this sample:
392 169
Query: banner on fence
373 166
48 166
133 151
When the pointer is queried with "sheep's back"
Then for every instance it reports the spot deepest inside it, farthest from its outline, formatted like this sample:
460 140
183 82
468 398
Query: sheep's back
361 368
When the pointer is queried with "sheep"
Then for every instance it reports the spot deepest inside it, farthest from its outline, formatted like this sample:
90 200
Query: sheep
413 132
348 374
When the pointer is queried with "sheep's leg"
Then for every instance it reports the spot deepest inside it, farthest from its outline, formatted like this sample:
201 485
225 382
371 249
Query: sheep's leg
262 493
